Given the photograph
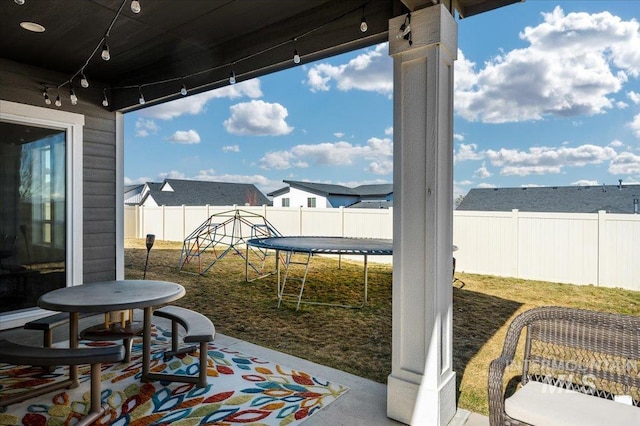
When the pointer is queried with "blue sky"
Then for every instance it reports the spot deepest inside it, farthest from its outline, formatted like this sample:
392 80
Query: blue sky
547 93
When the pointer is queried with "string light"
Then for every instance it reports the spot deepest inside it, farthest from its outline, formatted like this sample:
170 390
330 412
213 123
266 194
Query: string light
45 94
141 100
105 100
106 55
83 80
72 96
296 56
232 76
363 22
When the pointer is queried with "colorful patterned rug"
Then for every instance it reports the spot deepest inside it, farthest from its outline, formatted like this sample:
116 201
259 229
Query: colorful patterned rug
241 389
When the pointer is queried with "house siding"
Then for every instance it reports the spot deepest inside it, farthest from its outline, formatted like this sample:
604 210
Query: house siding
22 84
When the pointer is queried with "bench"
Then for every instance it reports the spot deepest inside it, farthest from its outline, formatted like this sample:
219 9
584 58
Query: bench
18 354
48 323
577 367
198 329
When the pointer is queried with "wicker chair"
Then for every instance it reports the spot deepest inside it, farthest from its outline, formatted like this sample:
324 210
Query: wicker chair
590 356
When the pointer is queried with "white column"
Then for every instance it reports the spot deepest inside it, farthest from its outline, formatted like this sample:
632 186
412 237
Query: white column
422 385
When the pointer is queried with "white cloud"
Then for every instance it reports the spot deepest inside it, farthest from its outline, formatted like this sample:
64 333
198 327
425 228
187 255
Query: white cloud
388 131
231 148
458 137
371 71
531 185
486 185
468 152
625 163
572 65
616 143
185 137
635 97
338 135
145 128
378 151
585 182
195 104
173 174
482 172
258 118
137 181
464 182
635 125
543 160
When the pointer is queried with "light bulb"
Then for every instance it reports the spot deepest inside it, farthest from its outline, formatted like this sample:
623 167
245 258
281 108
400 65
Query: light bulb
83 81
105 52
363 25
296 57
141 100
105 101
183 90
20 2
47 99
135 6
232 78
58 101
73 97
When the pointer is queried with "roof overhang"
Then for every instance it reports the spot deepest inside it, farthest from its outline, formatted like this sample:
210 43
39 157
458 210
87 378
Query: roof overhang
192 42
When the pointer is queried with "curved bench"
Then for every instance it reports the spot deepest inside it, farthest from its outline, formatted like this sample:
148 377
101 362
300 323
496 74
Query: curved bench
18 354
198 329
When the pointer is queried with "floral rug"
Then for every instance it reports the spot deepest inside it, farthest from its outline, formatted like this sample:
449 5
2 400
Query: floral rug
241 389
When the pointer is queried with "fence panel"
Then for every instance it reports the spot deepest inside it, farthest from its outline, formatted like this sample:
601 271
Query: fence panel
560 248
620 252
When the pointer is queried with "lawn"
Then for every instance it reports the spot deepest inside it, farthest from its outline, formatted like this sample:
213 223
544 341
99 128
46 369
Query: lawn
359 340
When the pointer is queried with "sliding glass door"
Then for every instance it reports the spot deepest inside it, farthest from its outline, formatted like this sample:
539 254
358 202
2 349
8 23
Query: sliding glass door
33 215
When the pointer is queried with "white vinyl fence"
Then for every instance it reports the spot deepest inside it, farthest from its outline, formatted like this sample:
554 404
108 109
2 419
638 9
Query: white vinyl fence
578 248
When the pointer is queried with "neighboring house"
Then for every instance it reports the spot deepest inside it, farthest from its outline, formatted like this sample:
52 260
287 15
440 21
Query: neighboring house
311 194
558 199
177 192
133 194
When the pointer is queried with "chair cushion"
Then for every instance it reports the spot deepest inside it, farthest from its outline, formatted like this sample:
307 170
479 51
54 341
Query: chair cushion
542 404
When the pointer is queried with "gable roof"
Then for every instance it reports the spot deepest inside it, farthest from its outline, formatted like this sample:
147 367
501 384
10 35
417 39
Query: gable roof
200 193
326 189
559 199
374 189
321 188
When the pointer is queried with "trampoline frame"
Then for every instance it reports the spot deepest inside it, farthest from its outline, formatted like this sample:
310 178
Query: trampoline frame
338 247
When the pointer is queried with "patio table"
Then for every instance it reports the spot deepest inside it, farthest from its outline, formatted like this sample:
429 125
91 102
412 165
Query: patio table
108 296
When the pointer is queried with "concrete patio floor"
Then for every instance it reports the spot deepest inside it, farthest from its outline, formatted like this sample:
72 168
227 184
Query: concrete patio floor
363 405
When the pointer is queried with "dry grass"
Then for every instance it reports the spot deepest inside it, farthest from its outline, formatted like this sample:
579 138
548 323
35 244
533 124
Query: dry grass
359 340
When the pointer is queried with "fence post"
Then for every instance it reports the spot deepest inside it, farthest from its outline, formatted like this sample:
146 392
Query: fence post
184 222
602 221
515 218
141 218
300 220
342 221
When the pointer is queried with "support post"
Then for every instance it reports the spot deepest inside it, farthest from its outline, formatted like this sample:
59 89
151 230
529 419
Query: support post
422 384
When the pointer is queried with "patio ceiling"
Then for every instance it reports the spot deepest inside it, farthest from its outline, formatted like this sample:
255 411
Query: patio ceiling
192 42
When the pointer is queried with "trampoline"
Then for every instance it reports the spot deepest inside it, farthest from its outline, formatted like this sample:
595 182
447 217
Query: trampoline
319 245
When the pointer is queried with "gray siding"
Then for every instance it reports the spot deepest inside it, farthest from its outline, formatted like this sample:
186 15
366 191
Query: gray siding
22 84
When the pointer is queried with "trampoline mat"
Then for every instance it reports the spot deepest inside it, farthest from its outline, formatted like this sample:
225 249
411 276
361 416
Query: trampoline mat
333 245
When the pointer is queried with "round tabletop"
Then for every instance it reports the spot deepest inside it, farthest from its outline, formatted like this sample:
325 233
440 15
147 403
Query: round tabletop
326 245
108 296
